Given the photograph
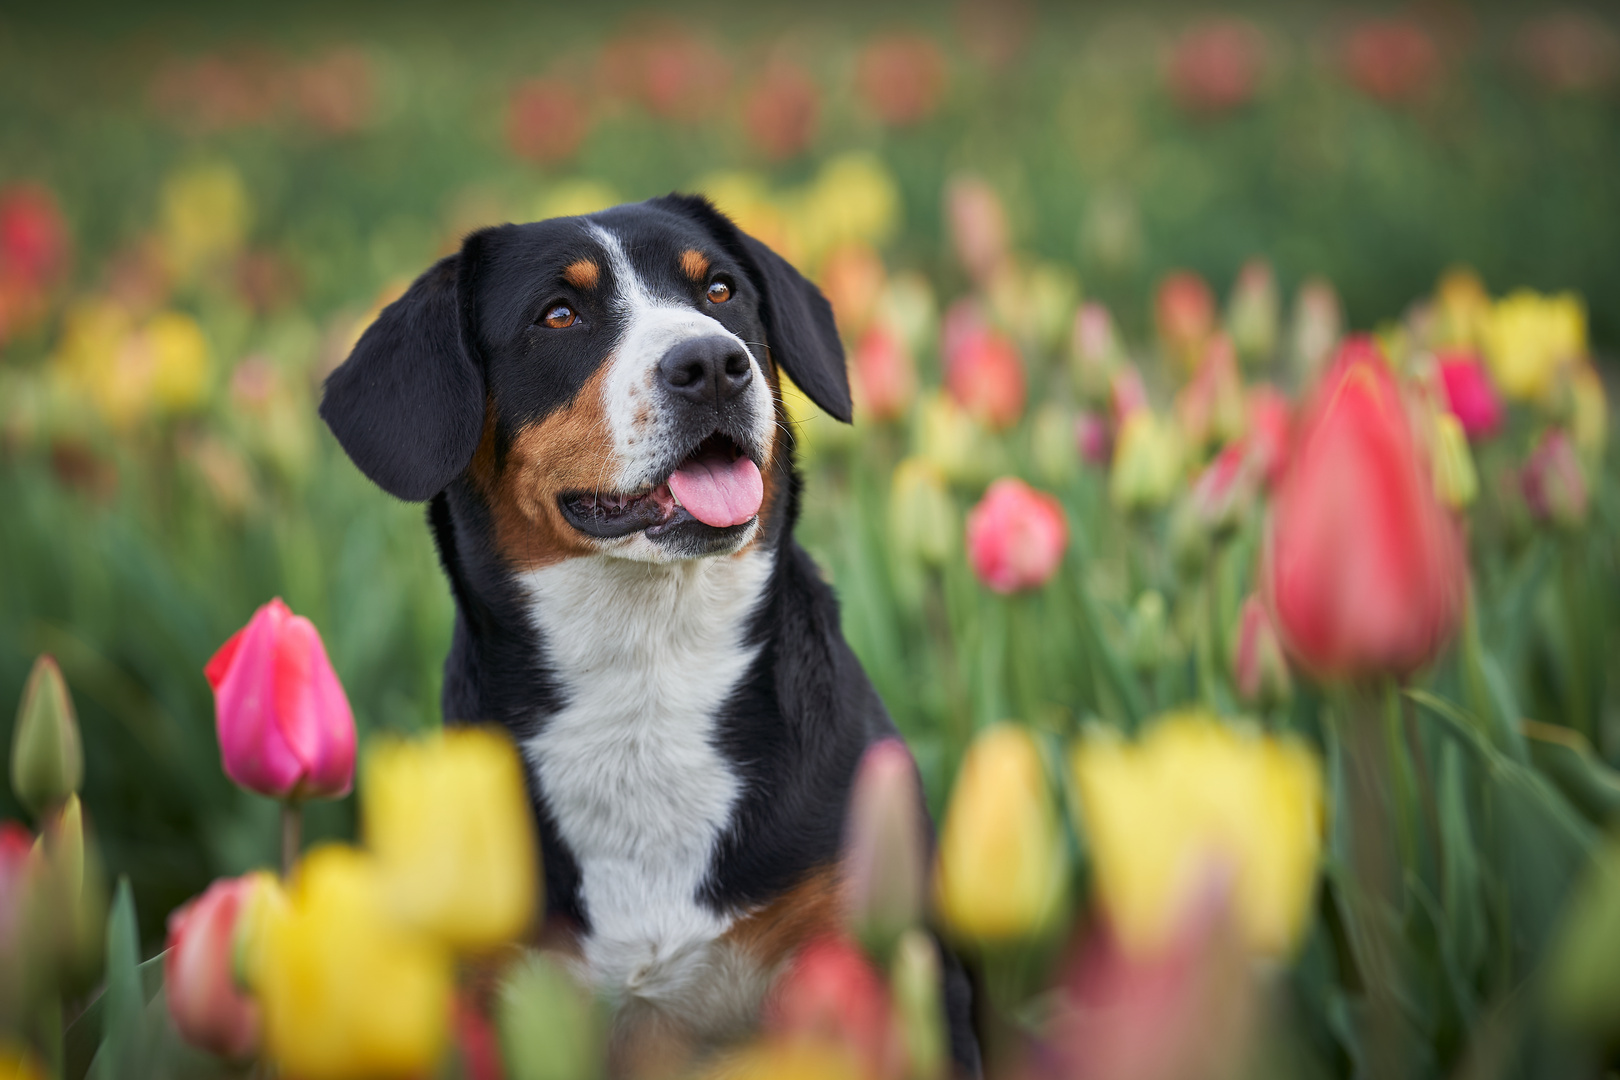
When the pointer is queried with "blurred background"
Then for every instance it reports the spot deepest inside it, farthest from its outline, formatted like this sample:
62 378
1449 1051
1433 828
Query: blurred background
199 211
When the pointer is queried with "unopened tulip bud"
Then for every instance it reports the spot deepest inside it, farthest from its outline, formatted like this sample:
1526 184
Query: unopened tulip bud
1259 668
1211 408
977 225
1455 480
1002 862
985 376
47 760
1016 536
1227 488
1147 463
831 994
1253 312
1317 326
884 376
1185 311
923 519
550 1025
1146 631
1094 439
205 1003
917 983
285 729
1270 426
1095 351
1462 308
1589 422
1555 483
1469 393
1052 445
885 845
1127 395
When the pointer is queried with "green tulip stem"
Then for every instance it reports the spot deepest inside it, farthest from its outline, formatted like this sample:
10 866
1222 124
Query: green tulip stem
292 835
50 1035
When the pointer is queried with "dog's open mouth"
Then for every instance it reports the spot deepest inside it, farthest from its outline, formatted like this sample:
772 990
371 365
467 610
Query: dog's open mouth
717 484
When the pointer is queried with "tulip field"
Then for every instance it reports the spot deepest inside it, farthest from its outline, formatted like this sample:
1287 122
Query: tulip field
1230 523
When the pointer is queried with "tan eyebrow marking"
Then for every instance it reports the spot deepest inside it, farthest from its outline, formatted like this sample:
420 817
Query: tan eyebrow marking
695 264
582 274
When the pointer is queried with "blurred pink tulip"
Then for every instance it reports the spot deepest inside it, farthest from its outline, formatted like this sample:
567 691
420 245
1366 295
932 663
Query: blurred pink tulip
1258 667
1127 394
546 121
204 1002
284 724
16 844
1364 570
1391 60
1216 66
1093 439
986 377
33 236
1469 392
1570 52
885 844
1554 482
1227 488
978 226
885 377
1016 536
901 77
1210 407
336 93
1270 422
831 994
1185 310
782 111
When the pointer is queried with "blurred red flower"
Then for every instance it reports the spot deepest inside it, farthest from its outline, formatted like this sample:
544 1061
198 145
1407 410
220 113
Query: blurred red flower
1270 418
1216 66
832 994
220 92
782 111
1570 52
1016 536
336 94
977 224
986 377
1364 569
901 77
885 376
994 32
1469 393
546 121
1391 60
204 1002
1185 310
33 255
669 71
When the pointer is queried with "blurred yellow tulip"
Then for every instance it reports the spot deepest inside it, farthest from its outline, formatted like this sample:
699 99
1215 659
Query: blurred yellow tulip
264 902
784 1059
1192 797
1147 462
449 821
1455 479
346 991
570 198
179 360
1002 863
1462 309
953 440
1590 420
206 213
17 1062
1529 337
853 197
923 519
126 370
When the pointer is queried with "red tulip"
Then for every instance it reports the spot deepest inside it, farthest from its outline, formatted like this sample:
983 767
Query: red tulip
1391 60
546 121
1554 482
1216 66
986 377
885 844
901 77
1364 570
33 237
1016 536
1270 418
1258 667
831 994
884 374
337 93
1185 310
782 111
1469 392
1226 488
204 1002
284 724
477 1041
668 70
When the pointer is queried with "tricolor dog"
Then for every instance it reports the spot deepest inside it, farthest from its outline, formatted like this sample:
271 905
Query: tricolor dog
591 408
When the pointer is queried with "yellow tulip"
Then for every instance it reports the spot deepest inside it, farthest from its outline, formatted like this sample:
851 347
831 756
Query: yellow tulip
1455 479
1147 462
346 991
788 1060
1192 797
449 821
17 1062
1590 420
206 213
923 521
571 198
1529 337
179 360
1462 309
956 443
1002 864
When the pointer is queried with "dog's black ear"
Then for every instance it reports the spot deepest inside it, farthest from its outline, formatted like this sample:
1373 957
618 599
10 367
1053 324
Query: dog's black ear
408 403
799 322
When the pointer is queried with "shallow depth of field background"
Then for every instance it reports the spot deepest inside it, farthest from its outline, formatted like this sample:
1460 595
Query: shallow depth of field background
268 180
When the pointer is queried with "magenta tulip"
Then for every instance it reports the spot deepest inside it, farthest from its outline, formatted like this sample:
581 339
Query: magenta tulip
208 1009
1016 536
284 724
1469 393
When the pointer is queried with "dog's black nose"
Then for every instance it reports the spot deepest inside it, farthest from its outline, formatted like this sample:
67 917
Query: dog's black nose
710 370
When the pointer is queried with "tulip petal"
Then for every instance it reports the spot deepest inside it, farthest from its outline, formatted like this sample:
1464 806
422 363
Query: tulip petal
252 747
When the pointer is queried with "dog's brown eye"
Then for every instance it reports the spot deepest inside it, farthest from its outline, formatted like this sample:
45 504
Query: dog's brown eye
719 291
560 317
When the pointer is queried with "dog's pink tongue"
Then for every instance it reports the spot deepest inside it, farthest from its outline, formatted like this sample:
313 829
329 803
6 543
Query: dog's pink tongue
717 491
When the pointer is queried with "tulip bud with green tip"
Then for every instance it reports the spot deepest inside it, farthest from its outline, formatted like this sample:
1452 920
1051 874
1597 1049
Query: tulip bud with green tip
550 1027
885 858
47 761
1455 480
1258 666
916 982
1253 312
1145 631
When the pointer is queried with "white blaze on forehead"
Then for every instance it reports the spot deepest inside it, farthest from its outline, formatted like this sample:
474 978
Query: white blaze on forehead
653 325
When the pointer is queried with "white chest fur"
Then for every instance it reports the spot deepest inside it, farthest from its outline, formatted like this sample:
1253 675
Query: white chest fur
646 655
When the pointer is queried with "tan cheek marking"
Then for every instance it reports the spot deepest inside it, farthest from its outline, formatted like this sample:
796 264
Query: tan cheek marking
570 450
582 274
694 264
811 909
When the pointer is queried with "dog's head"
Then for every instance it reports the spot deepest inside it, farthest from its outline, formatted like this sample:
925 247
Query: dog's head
605 383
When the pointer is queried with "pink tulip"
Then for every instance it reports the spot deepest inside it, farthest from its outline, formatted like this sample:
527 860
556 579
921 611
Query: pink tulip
1258 666
1270 421
1554 482
884 374
1093 438
783 110
1127 394
284 724
978 226
1016 536
1469 392
1227 488
1216 66
986 377
1210 407
1391 60
901 77
204 1002
885 844
1364 570
832 994
1185 311
546 121
33 236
